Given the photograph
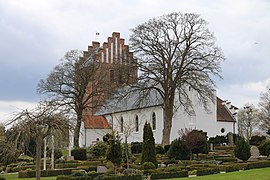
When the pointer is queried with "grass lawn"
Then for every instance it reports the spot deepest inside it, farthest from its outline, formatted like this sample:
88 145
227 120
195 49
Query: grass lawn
260 174
15 176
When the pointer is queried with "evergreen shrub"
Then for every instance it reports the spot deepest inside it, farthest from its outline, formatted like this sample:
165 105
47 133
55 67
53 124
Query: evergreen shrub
264 147
148 147
242 150
136 147
178 150
79 153
159 149
256 140
99 149
149 165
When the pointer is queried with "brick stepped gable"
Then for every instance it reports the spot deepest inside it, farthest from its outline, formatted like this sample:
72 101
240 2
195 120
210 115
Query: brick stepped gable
117 67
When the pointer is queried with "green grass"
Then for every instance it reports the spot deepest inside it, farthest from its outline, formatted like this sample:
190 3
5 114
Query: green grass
261 174
15 176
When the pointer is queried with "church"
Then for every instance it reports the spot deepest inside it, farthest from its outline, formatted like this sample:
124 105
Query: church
127 115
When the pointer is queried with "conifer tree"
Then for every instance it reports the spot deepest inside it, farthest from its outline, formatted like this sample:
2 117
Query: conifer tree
148 147
114 152
242 150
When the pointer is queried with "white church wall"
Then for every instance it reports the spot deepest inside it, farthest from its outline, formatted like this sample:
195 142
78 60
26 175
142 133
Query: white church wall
227 126
129 123
200 119
93 135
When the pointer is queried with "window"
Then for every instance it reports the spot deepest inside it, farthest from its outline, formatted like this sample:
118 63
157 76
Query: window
137 123
154 121
121 124
222 130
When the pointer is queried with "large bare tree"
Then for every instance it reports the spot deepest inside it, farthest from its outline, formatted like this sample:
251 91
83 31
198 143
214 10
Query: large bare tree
248 122
264 110
73 85
37 124
177 51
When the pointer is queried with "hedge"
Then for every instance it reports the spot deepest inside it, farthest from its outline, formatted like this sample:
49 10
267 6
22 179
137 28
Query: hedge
165 175
67 165
259 164
45 173
84 176
206 171
103 177
112 177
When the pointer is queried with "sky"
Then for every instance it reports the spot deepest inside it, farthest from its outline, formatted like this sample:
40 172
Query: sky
35 34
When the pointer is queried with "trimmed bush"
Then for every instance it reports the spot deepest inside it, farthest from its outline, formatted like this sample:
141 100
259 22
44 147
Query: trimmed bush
44 173
136 147
79 153
67 165
99 149
218 140
165 175
159 149
116 177
88 168
256 140
207 171
259 164
178 150
149 165
242 150
264 147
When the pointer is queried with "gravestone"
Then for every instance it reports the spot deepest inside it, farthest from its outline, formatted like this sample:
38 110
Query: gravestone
230 139
101 169
255 153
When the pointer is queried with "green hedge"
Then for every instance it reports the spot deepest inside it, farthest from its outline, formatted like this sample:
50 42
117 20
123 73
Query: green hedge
44 173
206 171
165 175
79 153
67 165
259 164
130 177
103 177
82 176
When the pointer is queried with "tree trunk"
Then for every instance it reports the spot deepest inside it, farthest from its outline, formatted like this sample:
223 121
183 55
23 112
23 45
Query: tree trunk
168 110
77 131
126 152
38 157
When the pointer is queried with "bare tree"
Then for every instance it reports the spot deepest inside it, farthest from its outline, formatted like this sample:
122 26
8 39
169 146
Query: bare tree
74 84
264 110
247 121
176 52
38 124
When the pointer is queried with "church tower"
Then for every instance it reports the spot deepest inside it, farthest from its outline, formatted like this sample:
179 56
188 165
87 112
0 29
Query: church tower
117 67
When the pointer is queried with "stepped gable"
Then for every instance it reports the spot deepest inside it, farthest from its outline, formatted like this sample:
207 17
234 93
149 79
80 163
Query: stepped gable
114 51
223 112
117 66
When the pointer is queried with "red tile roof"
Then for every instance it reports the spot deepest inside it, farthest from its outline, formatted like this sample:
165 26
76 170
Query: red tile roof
95 122
223 113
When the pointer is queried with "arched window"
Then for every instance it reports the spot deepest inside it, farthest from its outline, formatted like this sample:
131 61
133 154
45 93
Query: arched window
137 123
121 124
154 121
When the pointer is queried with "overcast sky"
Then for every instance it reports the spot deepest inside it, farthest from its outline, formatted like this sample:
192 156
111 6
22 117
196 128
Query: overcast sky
35 34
